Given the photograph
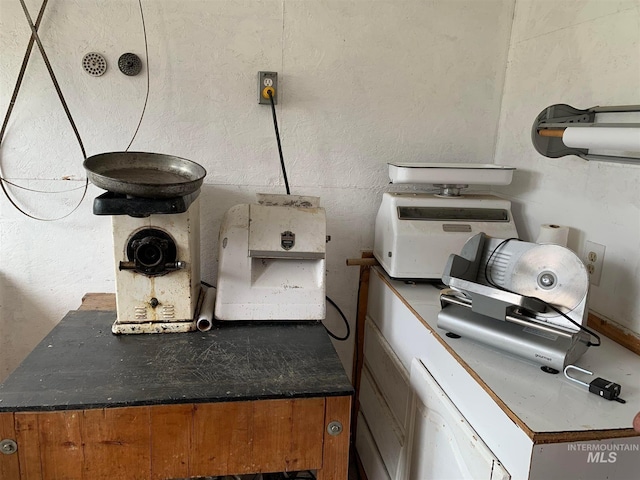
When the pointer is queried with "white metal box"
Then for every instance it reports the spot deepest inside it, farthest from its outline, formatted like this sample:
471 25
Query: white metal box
416 232
271 263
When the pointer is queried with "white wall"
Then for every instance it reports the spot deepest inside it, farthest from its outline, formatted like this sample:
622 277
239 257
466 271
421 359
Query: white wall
361 83
585 54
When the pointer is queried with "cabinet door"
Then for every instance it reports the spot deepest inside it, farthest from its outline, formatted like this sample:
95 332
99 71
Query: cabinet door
368 452
441 443
387 372
384 429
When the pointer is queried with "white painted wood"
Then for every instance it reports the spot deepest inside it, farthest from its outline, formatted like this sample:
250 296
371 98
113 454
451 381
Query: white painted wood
368 452
409 339
387 372
611 458
404 333
443 444
545 404
384 429
528 391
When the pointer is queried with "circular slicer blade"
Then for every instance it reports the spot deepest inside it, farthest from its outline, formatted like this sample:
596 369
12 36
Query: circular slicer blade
566 273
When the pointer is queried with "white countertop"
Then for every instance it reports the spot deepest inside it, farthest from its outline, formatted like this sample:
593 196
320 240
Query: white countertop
544 402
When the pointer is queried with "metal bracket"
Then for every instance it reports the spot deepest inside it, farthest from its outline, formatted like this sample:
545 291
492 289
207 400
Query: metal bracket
560 116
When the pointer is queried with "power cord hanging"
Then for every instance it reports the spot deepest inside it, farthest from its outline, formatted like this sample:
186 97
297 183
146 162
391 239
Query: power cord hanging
286 184
146 53
275 124
344 319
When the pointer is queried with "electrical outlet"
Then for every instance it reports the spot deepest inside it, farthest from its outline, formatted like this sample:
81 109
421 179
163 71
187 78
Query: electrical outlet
267 83
594 260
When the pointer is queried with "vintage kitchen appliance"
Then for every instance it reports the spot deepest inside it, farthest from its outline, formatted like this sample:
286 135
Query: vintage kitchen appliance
523 298
416 231
154 204
271 261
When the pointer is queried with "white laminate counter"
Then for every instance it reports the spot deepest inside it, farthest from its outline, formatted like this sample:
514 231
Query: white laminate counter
540 403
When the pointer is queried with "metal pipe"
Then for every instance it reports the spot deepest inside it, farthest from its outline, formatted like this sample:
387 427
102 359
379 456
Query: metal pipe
205 317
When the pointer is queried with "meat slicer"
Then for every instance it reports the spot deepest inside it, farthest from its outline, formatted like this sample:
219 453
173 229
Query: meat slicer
526 299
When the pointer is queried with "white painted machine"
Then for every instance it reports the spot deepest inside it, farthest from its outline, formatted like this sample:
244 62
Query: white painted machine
158 274
416 231
271 261
154 204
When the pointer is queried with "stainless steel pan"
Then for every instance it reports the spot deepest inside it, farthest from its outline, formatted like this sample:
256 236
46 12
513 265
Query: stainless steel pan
141 174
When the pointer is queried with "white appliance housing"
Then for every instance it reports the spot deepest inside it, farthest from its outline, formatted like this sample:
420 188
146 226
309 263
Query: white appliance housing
271 261
163 303
419 248
415 232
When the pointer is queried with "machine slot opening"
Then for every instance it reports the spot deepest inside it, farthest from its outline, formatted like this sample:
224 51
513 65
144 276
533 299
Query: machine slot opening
453 214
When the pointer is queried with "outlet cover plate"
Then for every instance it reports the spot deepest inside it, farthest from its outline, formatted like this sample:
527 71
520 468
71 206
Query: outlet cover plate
594 261
265 80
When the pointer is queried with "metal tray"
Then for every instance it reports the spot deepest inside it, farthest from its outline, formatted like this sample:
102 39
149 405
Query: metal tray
450 173
147 175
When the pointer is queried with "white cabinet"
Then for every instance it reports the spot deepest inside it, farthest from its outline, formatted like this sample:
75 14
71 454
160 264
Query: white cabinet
443 444
369 453
438 408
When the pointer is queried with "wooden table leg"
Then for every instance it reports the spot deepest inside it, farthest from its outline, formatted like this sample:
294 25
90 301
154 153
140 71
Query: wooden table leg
9 463
335 456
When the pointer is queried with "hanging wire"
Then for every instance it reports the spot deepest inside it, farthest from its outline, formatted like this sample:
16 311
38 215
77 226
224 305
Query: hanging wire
344 319
286 184
35 37
22 187
275 124
146 53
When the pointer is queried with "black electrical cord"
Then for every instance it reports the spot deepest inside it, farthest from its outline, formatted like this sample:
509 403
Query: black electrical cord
547 304
286 184
344 319
275 125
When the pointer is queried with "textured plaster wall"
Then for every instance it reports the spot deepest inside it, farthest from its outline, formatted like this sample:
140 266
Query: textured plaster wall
581 53
361 83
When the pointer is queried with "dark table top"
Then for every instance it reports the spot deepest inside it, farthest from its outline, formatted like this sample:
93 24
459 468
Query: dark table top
81 365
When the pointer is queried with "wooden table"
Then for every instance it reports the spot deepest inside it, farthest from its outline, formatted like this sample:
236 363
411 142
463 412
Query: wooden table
241 398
